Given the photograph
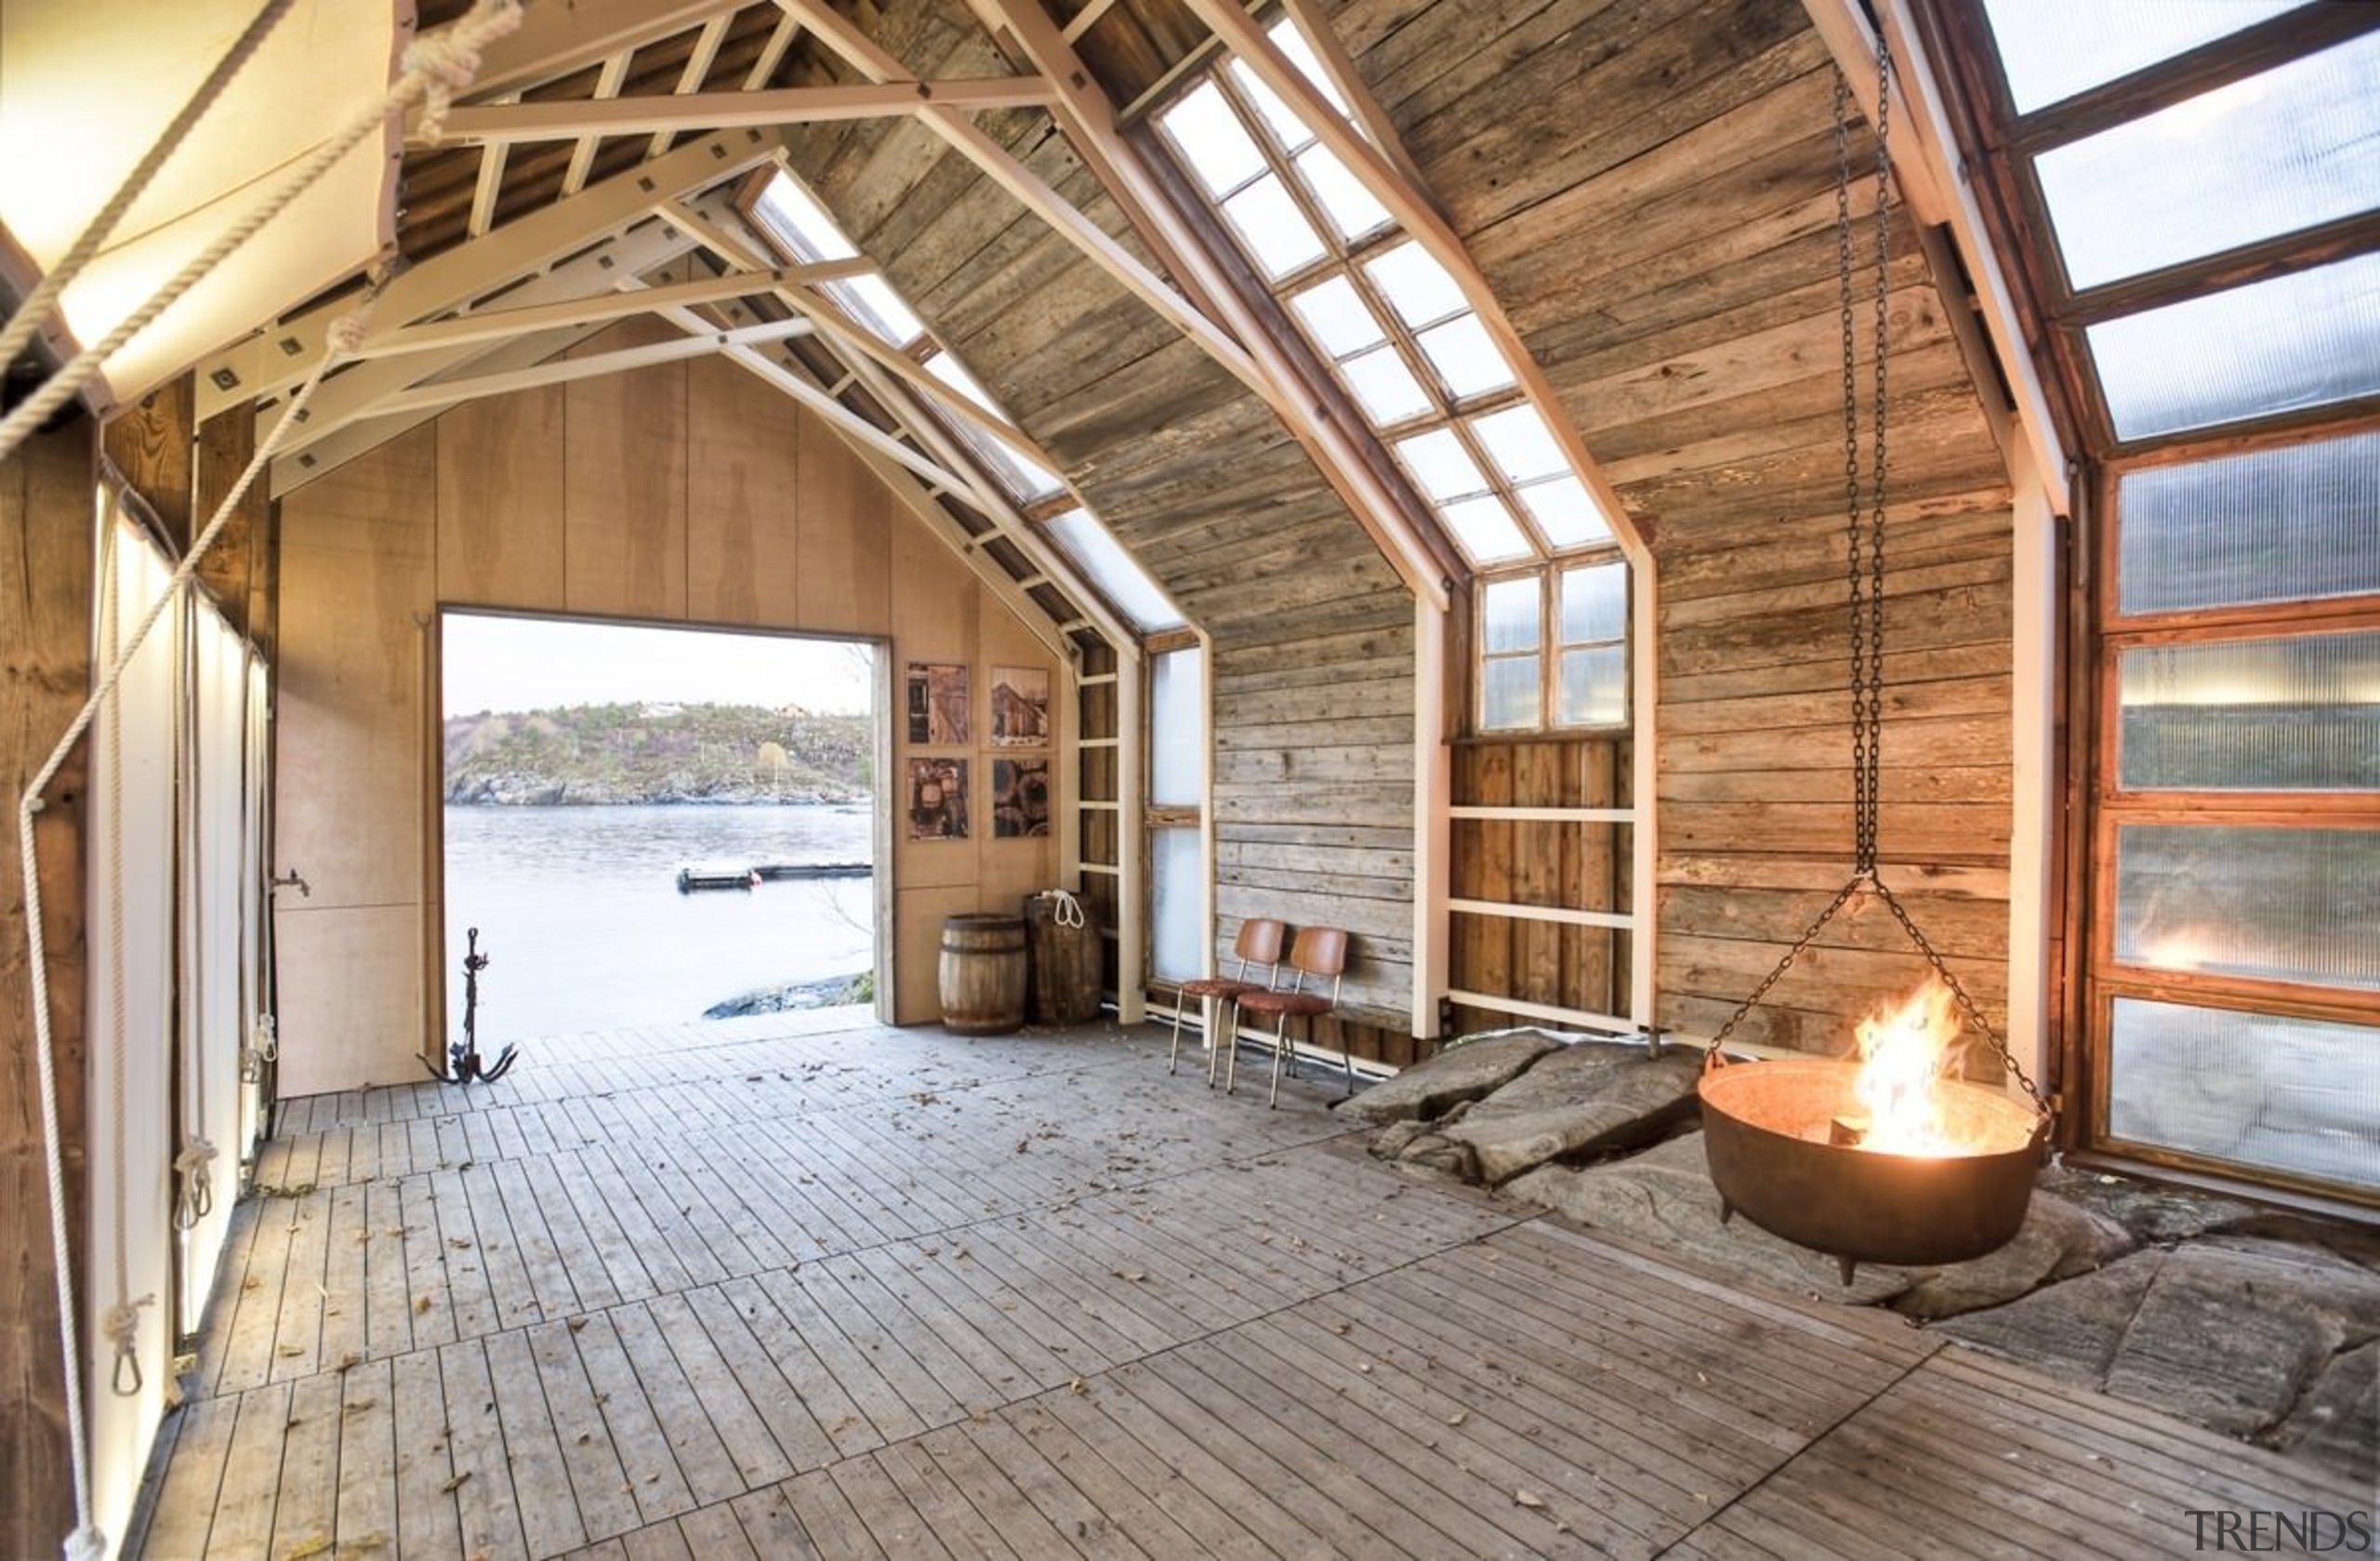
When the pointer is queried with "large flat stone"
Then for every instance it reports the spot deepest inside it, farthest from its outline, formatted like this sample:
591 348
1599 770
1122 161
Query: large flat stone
1663 1197
2337 1421
2070 1330
2056 1240
1459 1073
1582 1099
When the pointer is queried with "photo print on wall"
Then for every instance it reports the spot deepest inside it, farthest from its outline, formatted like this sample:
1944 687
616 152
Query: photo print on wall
938 799
1020 797
938 703
1019 706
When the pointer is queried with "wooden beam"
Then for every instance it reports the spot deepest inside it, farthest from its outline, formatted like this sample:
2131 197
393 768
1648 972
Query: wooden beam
830 28
690 78
493 324
771 54
487 190
149 444
506 122
45 595
763 367
446 393
556 38
582 157
234 571
1089 120
1087 19
1314 26
277 359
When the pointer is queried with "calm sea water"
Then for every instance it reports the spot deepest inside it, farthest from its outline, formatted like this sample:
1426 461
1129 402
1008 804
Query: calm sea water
579 913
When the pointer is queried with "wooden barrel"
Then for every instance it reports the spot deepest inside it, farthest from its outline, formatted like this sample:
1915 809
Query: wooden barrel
1065 964
982 975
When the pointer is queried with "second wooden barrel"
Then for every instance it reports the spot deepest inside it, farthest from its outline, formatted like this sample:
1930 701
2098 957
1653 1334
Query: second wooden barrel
982 975
1065 962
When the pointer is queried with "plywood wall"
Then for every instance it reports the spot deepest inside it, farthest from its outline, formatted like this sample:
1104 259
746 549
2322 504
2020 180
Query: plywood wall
1648 189
686 493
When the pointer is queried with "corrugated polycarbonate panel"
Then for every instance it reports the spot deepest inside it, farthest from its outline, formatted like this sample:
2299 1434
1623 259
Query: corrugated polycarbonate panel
2259 902
2052 49
2288 149
1177 884
2266 1092
2292 713
1178 727
2300 522
2301 340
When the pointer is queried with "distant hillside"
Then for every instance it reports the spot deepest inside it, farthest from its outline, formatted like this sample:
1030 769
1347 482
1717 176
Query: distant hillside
658 753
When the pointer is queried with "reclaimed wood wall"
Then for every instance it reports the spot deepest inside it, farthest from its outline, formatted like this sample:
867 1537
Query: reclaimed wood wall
1649 189
684 492
1311 632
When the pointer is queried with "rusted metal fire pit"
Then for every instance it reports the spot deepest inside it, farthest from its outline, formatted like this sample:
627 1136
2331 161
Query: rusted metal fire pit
1768 1129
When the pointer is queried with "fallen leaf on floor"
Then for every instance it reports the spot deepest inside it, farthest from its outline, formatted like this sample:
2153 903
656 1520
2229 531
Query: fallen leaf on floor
318 1545
360 1405
1075 1386
1528 1498
577 1324
453 1485
290 1352
421 1306
1134 1275
1458 1417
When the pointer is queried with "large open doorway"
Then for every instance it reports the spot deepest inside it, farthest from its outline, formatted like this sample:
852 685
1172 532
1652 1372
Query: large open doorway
649 826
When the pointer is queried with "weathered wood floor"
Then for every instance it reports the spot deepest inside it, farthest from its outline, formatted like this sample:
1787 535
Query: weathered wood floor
765 1289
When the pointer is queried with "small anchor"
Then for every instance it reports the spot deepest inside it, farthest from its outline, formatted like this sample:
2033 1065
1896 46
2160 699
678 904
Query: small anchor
466 1065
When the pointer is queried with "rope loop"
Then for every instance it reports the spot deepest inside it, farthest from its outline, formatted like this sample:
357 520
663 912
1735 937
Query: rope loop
1068 912
447 63
193 1165
121 1327
86 1543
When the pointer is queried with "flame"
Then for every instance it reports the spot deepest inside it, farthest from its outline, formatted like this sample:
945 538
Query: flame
1904 1053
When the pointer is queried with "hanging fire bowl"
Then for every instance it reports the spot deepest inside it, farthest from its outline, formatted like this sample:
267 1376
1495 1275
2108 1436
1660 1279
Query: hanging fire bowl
1771 1130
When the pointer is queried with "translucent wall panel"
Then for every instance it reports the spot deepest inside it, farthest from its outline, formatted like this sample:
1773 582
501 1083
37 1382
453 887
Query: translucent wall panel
1508 694
2296 146
1117 575
2301 340
1513 620
2300 1096
1177 728
1177 885
2266 904
2053 50
2296 713
1594 687
2294 523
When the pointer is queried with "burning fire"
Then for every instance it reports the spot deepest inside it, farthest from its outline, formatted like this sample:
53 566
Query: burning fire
1904 1053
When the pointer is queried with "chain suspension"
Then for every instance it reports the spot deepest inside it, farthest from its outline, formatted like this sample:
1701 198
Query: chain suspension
1864 575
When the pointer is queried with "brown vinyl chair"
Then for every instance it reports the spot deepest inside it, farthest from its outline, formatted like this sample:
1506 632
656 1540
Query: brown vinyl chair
1258 944
1320 955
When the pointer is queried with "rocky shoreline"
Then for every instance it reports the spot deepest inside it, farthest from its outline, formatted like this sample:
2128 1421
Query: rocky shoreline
538 791
833 991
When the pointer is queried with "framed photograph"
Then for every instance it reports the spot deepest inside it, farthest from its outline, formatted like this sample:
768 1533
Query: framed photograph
938 703
1019 706
938 799
1020 797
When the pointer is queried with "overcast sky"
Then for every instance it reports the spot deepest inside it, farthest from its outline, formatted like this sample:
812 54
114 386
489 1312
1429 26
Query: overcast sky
525 664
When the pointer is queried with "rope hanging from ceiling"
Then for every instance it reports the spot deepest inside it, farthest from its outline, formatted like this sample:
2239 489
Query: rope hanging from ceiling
1864 504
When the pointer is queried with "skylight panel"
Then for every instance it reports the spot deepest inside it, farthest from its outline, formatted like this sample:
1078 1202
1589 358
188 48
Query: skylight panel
1298 53
1384 387
1486 529
1288 128
1518 441
1564 511
1352 211
802 222
1277 234
2052 49
1419 288
1468 362
953 373
1337 319
2269 155
870 300
1117 575
1212 141
2296 341
1442 467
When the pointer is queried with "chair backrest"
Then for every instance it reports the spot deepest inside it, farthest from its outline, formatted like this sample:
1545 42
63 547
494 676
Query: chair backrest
1260 943
1319 952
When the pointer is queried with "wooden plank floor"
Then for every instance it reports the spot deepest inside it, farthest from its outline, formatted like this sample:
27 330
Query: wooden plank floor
781 1287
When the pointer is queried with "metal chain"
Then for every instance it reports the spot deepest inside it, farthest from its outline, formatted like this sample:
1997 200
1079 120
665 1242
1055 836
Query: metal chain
1842 898
1862 718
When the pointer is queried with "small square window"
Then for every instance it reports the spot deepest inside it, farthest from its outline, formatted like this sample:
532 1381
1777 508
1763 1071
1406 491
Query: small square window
1277 234
1344 198
1384 387
1416 287
1467 358
1442 467
1211 140
1337 319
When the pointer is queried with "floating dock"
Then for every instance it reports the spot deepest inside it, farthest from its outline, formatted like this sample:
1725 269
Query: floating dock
740 875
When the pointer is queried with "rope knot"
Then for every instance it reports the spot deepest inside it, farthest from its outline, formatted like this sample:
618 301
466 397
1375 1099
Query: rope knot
346 335
86 1543
120 1326
197 1199
446 62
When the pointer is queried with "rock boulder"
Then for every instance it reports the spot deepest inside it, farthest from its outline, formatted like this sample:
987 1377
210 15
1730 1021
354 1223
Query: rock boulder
1425 1090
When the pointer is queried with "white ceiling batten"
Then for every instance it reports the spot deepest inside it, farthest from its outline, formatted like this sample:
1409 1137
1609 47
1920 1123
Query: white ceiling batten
574 119
60 62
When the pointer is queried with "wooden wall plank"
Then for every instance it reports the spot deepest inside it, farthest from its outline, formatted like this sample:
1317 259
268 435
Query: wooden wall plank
624 495
843 534
743 482
150 443
502 480
46 583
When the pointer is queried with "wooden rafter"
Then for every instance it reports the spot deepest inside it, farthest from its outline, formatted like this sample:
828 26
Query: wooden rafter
555 39
1089 119
276 359
1314 26
486 191
582 157
560 371
831 28
771 54
666 116
697 66
496 324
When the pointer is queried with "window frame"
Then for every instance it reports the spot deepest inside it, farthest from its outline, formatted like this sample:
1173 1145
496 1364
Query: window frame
1549 648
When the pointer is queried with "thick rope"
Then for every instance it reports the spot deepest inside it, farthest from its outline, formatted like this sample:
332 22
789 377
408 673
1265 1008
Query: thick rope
194 1165
345 336
122 1326
44 298
427 58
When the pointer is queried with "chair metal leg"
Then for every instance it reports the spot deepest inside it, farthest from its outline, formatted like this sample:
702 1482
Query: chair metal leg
1231 1058
1280 1058
1348 1058
1175 1049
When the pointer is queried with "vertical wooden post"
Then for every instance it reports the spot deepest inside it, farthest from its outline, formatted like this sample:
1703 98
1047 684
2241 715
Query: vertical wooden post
149 444
46 594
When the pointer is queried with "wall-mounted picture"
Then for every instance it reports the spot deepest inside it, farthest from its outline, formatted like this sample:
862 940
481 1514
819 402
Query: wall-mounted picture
1019 706
938 799
938 703
1020 797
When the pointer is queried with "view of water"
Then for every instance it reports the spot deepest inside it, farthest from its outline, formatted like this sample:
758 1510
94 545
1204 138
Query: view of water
579 913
